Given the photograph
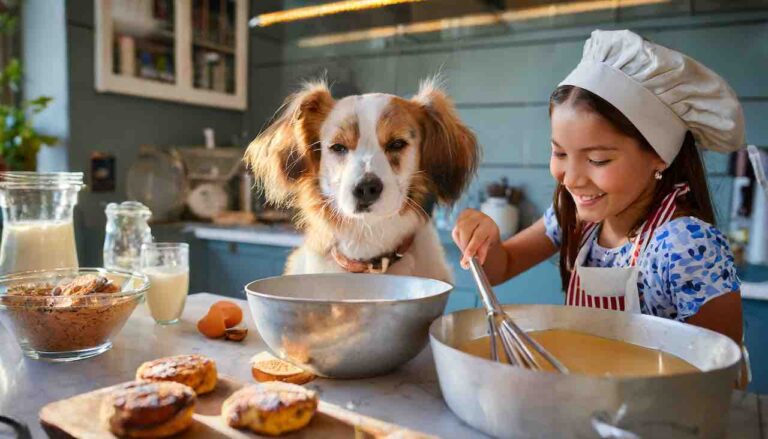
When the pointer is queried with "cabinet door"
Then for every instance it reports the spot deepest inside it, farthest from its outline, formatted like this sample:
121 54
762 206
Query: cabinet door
461 298
756 338
231 266
540 284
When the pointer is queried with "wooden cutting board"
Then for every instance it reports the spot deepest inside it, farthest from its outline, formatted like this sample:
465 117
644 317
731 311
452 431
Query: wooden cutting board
78 417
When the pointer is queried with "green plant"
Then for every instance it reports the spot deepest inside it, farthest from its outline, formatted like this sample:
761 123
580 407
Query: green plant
19 140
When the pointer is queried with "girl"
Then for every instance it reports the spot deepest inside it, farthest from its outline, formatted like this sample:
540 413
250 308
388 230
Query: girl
631 216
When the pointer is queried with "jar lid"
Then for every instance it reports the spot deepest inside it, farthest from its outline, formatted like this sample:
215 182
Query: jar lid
41 180
128 208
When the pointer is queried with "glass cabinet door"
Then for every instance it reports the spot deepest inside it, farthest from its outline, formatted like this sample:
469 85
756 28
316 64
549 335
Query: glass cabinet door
213 45
143 39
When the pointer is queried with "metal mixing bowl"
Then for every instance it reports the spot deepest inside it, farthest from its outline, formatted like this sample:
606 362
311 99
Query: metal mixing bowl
506 401
343 325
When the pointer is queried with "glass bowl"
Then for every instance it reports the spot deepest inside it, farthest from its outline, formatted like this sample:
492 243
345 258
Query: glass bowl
52 319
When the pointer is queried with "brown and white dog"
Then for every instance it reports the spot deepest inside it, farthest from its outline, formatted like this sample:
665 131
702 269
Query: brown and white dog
358 171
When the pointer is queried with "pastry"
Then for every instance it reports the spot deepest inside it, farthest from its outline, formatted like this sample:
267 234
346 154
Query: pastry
272 408
267 367
148 410
196 371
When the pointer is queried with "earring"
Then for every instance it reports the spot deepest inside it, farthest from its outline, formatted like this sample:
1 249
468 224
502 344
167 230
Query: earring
658 175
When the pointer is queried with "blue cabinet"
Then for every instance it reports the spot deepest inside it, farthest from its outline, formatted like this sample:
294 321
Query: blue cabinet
756 337
756 329
229 266
541 284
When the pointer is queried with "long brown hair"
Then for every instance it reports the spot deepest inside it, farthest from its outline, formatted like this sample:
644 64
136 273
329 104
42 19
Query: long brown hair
687 167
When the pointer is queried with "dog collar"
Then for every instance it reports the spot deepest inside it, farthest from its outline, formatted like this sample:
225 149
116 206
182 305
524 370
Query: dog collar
379 264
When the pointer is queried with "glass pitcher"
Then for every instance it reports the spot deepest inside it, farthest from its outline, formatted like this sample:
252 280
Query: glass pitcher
127 230
38 230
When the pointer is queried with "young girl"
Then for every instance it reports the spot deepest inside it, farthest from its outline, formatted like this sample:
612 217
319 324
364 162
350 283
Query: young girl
631 216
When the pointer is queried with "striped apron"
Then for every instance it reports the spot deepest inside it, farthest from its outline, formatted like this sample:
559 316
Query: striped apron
615 288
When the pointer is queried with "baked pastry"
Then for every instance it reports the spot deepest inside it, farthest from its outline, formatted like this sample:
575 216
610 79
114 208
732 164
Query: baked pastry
196 371
272 408
148 410
267 367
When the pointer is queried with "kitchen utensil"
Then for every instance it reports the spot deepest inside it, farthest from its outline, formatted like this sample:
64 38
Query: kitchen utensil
514 341
508 401
346 325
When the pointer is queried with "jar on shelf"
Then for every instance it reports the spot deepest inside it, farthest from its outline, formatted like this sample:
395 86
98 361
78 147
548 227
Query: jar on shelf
38 228
127 229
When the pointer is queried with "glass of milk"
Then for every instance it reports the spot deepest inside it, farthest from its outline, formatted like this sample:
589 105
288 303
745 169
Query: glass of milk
38 230
166 264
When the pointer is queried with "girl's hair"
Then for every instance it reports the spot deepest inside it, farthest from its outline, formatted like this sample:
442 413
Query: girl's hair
686 167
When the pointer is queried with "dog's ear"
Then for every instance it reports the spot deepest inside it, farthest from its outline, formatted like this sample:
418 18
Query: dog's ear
289 148
449 153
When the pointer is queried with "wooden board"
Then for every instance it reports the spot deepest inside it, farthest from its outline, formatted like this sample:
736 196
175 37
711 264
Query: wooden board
78 417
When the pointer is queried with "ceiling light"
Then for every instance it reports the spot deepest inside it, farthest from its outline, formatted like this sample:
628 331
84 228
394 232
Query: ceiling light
306 12
472 20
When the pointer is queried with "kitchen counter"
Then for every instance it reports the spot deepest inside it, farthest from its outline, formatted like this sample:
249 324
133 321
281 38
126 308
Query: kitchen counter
280 235
409 397
277 235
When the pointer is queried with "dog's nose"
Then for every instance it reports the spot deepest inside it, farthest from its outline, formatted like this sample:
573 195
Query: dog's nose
368 190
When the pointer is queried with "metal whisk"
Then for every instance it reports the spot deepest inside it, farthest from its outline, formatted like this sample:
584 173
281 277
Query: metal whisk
515 342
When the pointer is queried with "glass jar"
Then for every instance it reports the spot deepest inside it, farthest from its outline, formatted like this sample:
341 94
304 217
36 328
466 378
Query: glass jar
127 230
38 230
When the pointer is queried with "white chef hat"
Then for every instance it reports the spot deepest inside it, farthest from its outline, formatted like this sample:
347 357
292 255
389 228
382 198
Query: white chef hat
662 92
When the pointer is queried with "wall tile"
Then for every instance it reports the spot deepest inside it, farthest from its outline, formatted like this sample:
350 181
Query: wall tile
516 136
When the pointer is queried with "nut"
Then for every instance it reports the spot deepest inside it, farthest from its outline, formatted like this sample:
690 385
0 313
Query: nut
235 334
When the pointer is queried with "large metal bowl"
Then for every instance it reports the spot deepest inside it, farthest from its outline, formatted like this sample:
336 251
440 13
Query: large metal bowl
507 401
344 325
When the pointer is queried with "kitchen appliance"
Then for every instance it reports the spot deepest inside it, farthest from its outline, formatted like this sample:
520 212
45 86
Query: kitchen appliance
757 249
156 180
506 401
346 325
209 171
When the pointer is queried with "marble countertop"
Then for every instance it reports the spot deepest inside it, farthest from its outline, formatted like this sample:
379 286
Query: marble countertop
410 396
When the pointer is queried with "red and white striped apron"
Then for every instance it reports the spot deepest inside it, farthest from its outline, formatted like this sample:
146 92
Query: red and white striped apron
615 288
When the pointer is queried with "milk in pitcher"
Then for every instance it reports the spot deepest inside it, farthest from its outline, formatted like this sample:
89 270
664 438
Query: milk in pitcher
38 245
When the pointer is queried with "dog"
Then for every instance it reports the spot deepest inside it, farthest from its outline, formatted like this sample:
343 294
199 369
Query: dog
359 170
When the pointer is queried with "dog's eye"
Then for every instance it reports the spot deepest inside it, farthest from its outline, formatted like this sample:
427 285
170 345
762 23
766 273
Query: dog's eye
396 145
338 148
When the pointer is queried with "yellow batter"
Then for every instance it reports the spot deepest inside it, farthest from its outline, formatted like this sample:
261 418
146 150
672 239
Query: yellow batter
592 355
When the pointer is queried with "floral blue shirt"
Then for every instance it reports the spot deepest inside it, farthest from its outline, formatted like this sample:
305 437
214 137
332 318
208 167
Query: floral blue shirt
687 263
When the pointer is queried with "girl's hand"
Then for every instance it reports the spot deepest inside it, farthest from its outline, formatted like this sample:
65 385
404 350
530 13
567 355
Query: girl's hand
475 233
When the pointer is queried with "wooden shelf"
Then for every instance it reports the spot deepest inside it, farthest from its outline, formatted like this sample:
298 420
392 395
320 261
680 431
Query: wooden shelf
213 46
